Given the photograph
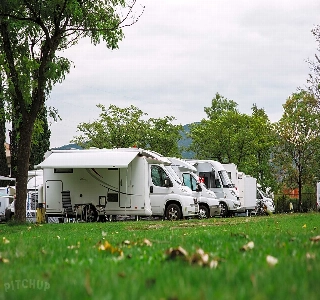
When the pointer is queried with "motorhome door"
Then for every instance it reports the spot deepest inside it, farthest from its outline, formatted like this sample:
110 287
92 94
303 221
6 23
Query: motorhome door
53 196
158 191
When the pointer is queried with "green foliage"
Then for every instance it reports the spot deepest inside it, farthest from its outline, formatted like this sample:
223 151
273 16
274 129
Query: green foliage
297 151
231 137
128 127
40 139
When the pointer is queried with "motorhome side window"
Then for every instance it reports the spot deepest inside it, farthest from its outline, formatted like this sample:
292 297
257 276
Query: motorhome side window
190 181
209 179
158 175
226 182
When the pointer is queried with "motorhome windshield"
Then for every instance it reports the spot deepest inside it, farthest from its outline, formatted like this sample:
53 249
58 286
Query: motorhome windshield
226 182
174 174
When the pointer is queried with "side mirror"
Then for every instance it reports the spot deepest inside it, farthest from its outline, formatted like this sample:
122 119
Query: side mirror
167 182
199 188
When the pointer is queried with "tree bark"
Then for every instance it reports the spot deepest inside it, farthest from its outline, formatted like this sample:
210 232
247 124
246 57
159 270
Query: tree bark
23 155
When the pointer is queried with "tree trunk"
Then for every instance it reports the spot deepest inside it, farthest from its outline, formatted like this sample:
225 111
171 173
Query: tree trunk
23 155
300 192
4 170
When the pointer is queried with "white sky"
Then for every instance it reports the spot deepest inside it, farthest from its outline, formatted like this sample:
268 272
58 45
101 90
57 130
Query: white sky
182 52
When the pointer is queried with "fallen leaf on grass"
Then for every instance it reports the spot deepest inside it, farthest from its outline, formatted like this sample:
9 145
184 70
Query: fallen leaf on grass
199 258
310 255
272 261
177 252
304 226
5 241
248 246
4 260
147 242
106 246
315 238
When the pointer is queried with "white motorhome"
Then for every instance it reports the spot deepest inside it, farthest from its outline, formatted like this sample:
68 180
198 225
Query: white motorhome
265 199
209 205
6 197
217 180
34 183
245 185
89 184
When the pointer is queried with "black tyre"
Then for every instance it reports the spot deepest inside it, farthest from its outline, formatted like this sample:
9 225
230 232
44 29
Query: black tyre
224 210
173 212
204 212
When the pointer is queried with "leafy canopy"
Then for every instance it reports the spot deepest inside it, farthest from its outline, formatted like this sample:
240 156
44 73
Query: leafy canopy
128 127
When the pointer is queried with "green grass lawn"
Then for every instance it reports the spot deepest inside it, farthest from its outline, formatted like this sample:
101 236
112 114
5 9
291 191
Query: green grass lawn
130 260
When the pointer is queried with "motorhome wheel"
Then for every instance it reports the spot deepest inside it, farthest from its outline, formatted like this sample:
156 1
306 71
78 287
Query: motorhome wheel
203 212
224 209
173 212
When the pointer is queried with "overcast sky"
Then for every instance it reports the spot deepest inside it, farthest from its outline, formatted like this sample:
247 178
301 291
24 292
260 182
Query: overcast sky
182 52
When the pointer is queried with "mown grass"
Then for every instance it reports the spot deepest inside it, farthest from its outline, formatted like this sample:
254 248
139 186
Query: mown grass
62 261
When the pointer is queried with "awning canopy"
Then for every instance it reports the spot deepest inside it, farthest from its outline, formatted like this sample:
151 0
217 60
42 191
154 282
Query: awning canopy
88 159
96 158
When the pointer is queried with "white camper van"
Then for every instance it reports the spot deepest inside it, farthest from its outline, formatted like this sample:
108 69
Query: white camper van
245 185
89 184
266 200
217 180
34 183
6 197
208 203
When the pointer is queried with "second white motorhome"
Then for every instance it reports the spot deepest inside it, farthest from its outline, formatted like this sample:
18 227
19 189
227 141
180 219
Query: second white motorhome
216 179
245 185
209 205
89 184
265 199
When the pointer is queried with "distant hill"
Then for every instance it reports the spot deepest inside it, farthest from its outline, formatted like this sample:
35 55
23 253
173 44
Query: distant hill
185 142
68 147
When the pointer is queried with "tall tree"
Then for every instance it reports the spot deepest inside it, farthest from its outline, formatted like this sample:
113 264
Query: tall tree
116 128
128 127
4 170
163 136
231 137
314 76
31 34
299 140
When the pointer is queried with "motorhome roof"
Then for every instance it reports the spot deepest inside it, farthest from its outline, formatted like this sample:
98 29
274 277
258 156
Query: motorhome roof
182 165
95 158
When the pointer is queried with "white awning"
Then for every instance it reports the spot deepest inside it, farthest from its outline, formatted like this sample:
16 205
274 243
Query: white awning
88 159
